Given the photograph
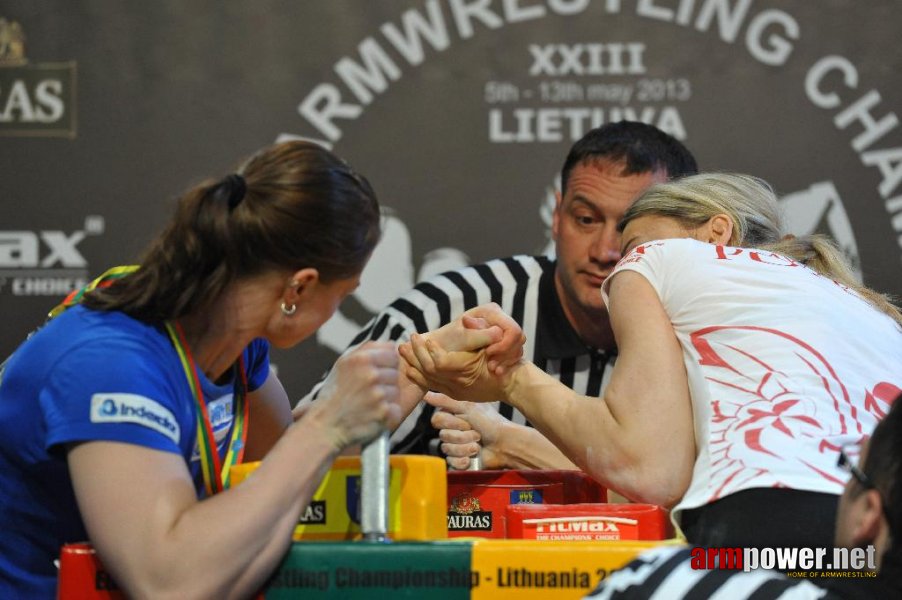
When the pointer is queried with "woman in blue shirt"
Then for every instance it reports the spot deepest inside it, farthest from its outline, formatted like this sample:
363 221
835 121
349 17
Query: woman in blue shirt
120 418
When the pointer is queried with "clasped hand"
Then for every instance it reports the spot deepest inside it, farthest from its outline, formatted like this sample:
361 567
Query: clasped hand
359 399
469 358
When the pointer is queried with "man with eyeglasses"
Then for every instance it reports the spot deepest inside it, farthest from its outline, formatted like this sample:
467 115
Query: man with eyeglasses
869 514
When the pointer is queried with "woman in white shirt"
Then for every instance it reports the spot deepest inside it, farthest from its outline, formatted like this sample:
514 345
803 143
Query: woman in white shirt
746 361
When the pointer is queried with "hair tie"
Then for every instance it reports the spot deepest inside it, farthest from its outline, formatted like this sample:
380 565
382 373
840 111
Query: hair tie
237 188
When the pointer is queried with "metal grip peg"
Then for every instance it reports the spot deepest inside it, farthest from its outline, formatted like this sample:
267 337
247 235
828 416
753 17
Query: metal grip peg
374 467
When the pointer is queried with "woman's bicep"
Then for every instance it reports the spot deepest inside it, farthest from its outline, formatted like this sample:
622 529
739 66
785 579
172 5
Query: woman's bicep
130 497
649 357
649 389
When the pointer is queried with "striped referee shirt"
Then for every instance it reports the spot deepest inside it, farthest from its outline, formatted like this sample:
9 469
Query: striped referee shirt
524 288
666 573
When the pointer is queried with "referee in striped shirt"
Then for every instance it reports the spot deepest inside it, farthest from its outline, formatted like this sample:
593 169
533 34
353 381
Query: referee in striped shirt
556 302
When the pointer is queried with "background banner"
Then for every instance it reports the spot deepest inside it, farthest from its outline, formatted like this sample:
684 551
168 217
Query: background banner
460 112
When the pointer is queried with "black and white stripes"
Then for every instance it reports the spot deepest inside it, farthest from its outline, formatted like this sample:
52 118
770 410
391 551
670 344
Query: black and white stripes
666 573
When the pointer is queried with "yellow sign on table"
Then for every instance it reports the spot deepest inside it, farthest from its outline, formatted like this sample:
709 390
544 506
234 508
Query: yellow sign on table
418 493
531 569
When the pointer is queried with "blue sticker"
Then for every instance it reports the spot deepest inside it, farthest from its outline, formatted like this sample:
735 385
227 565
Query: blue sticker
352 497
526 497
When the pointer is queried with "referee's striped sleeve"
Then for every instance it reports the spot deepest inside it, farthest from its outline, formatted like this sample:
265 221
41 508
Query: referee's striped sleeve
666 573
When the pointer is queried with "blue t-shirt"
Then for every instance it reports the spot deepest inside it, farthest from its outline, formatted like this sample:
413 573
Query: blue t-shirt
90 375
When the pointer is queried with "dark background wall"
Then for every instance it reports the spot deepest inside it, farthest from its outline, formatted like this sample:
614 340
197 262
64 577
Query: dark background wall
459 111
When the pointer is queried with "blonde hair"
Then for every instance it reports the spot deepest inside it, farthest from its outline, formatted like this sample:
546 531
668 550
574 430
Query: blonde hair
751 205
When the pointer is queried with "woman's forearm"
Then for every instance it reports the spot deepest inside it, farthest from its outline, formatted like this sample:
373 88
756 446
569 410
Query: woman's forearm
521 447
639 455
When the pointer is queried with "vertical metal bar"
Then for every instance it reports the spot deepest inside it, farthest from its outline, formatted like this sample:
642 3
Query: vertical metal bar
475 461
374 489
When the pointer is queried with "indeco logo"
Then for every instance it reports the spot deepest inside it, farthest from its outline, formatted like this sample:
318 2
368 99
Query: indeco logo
133 408
45 262
35 100
108 408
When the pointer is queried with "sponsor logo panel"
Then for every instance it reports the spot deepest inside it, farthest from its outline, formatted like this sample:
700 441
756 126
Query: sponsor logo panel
133 408
46 262
314 514
36 100
465 514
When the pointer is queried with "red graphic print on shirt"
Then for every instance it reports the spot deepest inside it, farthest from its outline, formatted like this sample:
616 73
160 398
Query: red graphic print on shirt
766 407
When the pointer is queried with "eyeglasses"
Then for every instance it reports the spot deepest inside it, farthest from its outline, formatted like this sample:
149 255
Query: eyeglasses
848 465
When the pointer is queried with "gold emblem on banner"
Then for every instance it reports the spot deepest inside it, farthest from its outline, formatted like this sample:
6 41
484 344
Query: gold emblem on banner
12 44
36 100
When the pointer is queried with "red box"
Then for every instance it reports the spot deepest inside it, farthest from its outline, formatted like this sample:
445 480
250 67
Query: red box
82 576
478 500
588 522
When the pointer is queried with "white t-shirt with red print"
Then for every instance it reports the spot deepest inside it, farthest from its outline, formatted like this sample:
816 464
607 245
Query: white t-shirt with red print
785 366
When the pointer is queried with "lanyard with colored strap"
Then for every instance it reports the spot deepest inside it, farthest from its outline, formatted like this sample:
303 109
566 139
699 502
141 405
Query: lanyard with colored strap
105 280
216 472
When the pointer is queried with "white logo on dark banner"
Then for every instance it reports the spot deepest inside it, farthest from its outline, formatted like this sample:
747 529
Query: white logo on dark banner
35 100
465 514
554 89
769 36
314 514
45 262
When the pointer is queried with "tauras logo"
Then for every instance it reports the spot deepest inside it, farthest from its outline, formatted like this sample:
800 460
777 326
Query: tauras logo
32 100
314 514
480 521
35 100
12 44
133 408
464 514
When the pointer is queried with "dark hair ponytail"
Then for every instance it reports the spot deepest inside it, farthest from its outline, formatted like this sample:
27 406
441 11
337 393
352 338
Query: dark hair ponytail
292 205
